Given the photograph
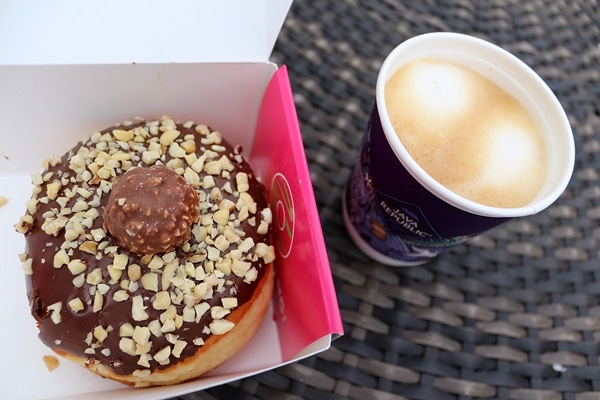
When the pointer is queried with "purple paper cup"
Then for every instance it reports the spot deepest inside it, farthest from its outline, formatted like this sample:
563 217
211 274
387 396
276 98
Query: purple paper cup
397 213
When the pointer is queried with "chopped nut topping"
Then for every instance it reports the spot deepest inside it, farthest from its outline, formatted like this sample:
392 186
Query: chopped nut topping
122 135
221 326
76 305
162 300
134 272
166 290
138 310
269 257
240 267
27 266
121 295
127 346
150 281
242 182
76 266
52 189
98 302
120 261
55 312
126 330
163 354
217 312
51 362
229 302
141 335
53 226
94 277
79 280
100 333
89 246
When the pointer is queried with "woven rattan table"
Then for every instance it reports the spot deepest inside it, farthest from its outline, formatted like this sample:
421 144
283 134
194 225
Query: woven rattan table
514 314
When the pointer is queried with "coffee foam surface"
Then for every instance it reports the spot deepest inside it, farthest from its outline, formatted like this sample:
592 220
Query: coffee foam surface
467 133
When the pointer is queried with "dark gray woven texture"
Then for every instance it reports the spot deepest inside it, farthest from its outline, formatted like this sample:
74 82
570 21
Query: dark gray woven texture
514 314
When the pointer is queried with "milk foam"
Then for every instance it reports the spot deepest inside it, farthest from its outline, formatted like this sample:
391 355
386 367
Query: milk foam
467 133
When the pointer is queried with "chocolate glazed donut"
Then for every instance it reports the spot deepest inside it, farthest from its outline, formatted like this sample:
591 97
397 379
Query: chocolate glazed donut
148 257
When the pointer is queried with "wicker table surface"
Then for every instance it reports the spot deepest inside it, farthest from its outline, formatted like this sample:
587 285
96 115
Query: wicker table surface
514 314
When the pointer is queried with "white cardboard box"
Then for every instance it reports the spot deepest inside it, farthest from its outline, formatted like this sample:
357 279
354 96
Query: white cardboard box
69 67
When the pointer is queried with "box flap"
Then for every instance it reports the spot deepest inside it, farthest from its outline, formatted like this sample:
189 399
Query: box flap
138 31
306 307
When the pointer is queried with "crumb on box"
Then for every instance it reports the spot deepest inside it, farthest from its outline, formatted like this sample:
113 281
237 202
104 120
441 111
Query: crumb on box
51 362
3 201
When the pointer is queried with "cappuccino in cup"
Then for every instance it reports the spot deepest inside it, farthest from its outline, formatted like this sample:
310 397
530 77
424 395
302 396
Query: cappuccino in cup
462 137
467 133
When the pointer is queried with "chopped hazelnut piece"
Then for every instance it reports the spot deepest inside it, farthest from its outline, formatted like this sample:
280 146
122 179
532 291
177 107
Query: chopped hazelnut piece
100 333
94 277
138 310
221 326
240 267
241 179
229 302
269 257
251 275
122 135
134 272
141 334
126 330
89 246
246 245
27 266
53 226
154 327
156 263
162 300
79 280
98 301
76 304
76 266
221 217
55 312
24 224
127 346
168 137
263 227
163 354
121 295
150 281
218 312
115 274
51 362
52 189
120 261
178 348
150 157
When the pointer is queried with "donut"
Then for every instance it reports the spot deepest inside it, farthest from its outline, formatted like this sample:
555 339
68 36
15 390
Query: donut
147 256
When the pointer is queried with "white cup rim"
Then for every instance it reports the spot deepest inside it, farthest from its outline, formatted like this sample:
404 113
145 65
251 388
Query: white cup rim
455 44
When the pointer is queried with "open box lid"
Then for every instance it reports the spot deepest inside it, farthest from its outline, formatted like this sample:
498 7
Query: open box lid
116 31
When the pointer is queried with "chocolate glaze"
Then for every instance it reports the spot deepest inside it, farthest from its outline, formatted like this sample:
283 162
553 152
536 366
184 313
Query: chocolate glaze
48 285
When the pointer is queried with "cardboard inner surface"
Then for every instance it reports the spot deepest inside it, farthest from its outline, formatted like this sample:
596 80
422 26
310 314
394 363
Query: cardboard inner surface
47 109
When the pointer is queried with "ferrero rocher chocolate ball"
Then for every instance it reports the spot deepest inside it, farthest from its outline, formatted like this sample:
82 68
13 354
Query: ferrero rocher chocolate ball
151 210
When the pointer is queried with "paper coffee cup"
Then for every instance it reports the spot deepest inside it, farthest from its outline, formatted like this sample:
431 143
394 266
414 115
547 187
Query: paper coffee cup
395 211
